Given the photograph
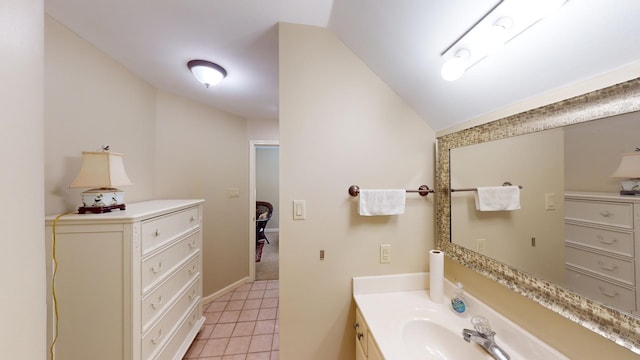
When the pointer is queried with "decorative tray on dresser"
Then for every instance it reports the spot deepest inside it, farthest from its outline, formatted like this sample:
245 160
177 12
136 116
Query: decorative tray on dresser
128 284
601 230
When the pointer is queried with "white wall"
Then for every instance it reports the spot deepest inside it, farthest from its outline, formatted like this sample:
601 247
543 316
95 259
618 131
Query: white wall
22 271
173 148
341 125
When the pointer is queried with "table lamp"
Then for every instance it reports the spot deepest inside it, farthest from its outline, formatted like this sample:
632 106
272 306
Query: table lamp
629 169
102 171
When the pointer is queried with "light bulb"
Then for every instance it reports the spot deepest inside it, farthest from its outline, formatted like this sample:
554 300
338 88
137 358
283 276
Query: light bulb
454 68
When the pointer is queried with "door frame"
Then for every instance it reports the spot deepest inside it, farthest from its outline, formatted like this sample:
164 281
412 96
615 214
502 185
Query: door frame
253 144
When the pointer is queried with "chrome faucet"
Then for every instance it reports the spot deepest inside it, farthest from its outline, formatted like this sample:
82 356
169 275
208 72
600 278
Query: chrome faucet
484 336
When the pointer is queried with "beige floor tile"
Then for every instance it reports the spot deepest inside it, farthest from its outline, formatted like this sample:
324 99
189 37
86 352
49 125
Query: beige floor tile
273 293
253 304
276 342
195 349
261 343
249 315
256 294
235 305
244 328
244 287
225 297
214 347
259 285
239 295
212 317
216 306
238 345
229 316
223 330
275 355
259 356
267 314
269 303
264 327
205 332
234 357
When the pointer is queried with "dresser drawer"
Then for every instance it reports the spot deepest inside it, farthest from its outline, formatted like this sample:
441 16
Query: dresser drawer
609 240
610 267
158 231
158 301
177 347
162 331
602 291
605 213
162 264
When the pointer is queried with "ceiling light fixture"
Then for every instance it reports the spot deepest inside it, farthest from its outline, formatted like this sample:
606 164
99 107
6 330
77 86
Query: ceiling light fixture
489 35
206 72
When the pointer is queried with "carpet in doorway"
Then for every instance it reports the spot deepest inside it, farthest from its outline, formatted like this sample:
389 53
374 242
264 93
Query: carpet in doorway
259 247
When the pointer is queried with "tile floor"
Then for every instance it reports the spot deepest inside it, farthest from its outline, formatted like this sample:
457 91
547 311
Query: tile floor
241 325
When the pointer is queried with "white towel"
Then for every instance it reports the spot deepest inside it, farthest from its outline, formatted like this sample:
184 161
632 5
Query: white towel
382 202
498 198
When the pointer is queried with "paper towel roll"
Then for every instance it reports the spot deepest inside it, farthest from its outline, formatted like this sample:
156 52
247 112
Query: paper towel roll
436 276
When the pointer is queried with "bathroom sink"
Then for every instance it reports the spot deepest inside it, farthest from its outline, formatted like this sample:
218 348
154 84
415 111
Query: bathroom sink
442 342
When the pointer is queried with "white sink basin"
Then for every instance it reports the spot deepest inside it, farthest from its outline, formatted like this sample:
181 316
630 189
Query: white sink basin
443 343
406 324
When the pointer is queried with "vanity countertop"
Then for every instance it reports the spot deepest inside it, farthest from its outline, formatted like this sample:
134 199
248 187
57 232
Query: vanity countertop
389 303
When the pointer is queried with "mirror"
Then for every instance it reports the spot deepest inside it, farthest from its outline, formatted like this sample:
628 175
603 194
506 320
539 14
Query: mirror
543 172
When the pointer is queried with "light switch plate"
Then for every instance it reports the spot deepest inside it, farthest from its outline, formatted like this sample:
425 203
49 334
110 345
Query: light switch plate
299 210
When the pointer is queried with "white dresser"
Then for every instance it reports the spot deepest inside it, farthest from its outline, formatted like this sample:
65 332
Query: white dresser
128 283
601 231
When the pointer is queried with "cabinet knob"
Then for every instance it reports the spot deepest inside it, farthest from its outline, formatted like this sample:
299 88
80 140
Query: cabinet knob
156 233
192 218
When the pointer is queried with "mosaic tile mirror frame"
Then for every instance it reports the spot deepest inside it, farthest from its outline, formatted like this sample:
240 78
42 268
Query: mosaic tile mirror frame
615 100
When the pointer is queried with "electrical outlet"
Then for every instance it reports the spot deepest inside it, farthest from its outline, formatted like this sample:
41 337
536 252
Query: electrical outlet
385 253
480 245
233 192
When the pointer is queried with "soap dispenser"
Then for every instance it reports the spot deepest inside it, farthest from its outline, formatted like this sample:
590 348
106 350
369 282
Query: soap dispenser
458 302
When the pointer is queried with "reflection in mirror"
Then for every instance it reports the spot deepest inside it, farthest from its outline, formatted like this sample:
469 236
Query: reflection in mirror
549 164
534 259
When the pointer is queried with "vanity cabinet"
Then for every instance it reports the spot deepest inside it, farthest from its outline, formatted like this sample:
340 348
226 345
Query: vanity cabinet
128 283
366 347
601 254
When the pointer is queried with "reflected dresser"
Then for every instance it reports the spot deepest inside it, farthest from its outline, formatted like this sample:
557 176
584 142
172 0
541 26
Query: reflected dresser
601 231
128 284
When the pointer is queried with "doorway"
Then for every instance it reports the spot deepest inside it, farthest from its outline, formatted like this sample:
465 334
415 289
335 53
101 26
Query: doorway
264 187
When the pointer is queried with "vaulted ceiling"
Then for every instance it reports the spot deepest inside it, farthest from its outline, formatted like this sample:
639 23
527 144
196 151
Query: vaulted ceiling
401 40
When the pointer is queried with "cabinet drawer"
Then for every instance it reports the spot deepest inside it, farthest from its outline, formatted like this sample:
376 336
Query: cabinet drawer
157 302
601 291
177 347
606 213
362 332
159 266
613 268
163 330
158 231
608 240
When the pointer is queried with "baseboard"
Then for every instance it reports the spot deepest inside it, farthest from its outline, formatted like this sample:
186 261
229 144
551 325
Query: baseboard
210 298
272 230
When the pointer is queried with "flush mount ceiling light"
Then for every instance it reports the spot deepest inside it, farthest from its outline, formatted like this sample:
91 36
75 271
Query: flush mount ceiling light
206 72
503 23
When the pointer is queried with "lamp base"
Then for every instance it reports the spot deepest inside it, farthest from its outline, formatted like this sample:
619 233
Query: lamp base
630 192
99 209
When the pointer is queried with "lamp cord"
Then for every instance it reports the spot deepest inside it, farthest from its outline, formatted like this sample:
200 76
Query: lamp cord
53 284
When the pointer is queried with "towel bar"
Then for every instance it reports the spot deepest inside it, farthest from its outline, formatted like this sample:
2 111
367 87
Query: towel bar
423 190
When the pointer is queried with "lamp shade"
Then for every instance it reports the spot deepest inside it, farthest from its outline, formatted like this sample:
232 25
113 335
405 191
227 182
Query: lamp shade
102 169
206 72
629 166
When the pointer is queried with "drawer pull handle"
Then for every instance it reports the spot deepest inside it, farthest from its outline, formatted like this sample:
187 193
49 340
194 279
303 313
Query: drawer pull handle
157 339
156 233
356 326
605 213
192 218
193 320
157 304
602 240
158 269
192 269
193 295
192 244
605 293
608 268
